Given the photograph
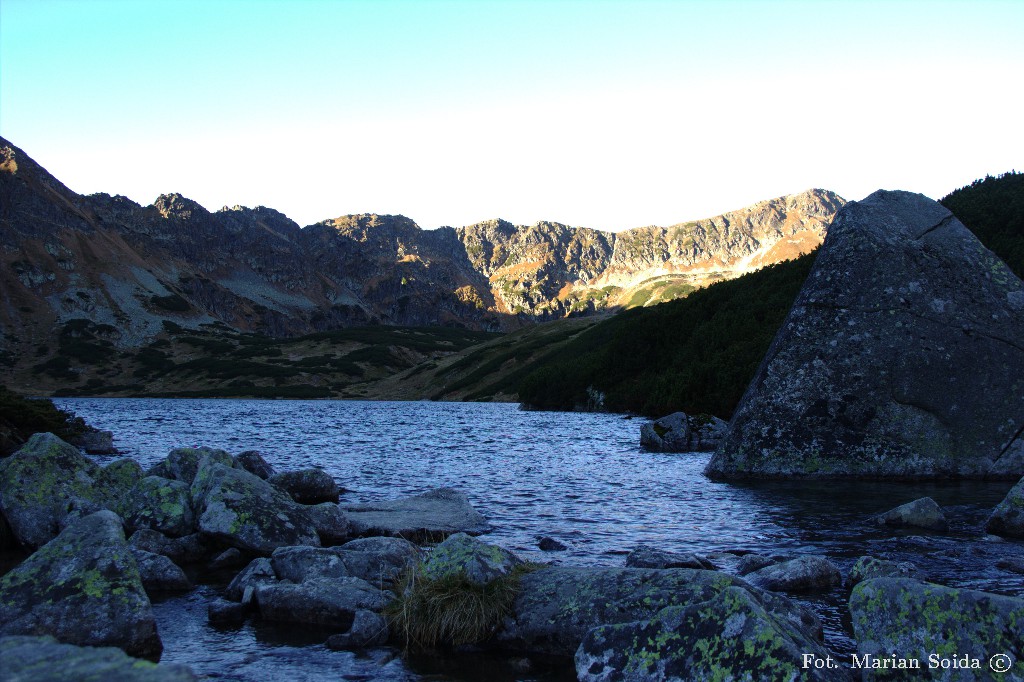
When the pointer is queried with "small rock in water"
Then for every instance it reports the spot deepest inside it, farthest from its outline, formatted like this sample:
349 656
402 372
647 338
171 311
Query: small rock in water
804 574
479 561
649 557
224 612
368 629
1008 518
752 562
868 567
551 545
253 462
307 486
923 513
98 443
1012 564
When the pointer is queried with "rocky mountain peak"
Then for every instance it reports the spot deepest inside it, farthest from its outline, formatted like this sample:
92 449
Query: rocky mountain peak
177 206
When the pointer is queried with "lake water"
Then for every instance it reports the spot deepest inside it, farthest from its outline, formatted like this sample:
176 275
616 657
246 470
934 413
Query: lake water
577 477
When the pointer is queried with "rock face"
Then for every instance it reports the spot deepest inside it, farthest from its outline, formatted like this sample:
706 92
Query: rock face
1008 518
923 513
900 357
728 637
246 512
44 659
919 619
82 587
431 516
679 432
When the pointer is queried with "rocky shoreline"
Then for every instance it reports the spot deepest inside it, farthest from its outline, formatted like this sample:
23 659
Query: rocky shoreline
107 539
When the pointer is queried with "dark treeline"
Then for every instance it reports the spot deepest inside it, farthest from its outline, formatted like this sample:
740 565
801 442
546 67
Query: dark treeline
698 354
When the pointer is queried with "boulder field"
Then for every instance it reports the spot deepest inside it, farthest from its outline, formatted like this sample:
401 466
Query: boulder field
901 357
664 615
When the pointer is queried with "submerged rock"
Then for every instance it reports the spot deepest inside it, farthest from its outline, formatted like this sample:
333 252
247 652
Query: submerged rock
803 574
898 358
917 620
82 587
923 513
1007 519
679 432
246 512
649 557
478 561
556 606
307 486
728 637
432 516
44 659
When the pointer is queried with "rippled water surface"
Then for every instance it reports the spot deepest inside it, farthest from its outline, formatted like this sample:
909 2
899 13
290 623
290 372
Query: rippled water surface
580 478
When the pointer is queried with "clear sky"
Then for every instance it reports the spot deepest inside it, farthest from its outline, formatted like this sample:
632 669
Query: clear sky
601 114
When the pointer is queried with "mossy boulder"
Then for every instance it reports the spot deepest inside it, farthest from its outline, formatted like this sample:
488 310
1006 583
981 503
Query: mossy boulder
307 486
182 464
869 567
728 637
44 481
557 606
803 574
83 587
244 511
114 483
916 620
478 561
44 659
923 513
161 504
1007 519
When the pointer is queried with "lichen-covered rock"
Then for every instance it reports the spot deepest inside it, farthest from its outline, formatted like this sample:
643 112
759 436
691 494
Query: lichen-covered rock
1007 519
432 516
97 442
332 525
679 432
556 606
869 567
82 587
307 486
160 574
394 551
259 572
114 483
332 602
923 513
478 561
41 483
44 659
253 462
803 574
897 359
916 620
244 511
182 464
649 557
188 549
728 637
162 505
299 564
368 629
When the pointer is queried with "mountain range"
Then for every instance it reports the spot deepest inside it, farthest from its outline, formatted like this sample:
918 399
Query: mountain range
133 271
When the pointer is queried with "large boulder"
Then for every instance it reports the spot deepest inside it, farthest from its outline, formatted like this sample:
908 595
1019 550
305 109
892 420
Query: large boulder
923 513
432 516
557 606
182 464
44 659
82 587
478 561
917 620
161 504
899 358
679 432
869 568
244 511
1008 517
97 442
299 564
253 462
42 483
728 637
307 486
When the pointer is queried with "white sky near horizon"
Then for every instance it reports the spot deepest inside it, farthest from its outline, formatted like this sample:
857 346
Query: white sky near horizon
607 115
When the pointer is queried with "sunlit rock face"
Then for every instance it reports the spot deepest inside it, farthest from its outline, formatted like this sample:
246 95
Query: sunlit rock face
901 357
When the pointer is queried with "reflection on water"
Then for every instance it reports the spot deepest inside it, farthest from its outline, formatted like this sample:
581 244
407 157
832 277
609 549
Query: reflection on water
580 478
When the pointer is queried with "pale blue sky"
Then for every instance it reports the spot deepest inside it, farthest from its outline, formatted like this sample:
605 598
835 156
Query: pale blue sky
603 114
